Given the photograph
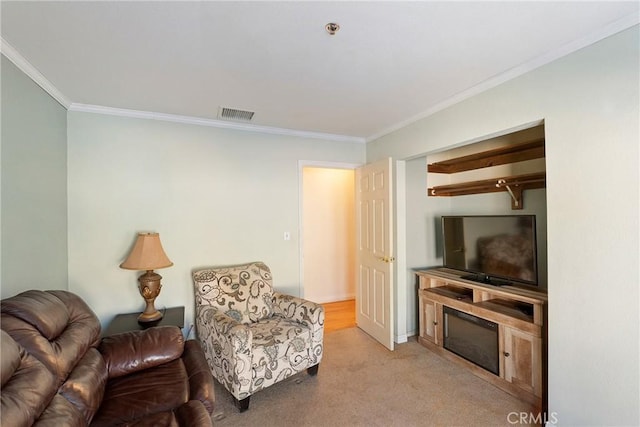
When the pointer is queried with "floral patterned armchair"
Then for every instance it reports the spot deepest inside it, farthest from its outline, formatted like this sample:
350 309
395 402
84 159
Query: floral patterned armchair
252 336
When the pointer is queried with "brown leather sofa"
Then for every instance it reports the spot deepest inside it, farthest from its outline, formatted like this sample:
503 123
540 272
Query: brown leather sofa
57 371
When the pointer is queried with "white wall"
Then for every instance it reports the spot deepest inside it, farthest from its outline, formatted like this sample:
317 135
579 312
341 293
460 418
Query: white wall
589 102
216 197
329 234
34 186
423 241
220 196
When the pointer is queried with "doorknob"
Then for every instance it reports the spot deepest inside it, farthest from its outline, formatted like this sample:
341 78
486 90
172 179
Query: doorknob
386 259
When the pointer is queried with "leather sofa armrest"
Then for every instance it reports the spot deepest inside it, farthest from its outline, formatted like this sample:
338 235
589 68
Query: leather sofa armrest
193 414
200 378
27 385
135 351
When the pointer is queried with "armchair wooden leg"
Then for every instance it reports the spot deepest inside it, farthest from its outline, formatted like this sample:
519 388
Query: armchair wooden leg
243 404
313 371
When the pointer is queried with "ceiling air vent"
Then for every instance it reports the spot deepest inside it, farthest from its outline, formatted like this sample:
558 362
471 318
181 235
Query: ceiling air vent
225 113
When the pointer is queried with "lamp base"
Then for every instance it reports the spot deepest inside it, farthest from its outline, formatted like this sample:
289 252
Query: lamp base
149 286
150 318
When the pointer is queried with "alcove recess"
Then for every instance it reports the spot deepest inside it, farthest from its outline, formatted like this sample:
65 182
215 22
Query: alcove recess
510 163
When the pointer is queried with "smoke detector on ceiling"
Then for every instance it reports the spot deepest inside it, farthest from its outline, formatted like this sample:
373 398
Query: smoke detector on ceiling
234 114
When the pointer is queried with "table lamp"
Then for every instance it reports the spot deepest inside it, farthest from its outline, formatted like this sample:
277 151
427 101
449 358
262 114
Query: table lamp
147 254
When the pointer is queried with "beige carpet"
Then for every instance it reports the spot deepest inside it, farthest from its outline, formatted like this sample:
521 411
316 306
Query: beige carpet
361 383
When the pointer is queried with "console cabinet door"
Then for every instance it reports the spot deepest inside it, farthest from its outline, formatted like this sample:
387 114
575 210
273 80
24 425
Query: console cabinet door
522 360
431 314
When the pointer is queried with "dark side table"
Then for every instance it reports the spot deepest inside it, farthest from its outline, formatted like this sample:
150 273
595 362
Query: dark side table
173 316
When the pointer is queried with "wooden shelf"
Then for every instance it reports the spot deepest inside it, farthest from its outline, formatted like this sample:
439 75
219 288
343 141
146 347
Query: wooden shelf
520 152
508 308
515 185
460 294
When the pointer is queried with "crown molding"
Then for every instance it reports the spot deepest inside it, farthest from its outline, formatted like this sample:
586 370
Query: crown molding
564 50
97 109
25 66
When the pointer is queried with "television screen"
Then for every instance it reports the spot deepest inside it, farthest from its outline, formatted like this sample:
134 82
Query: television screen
502 247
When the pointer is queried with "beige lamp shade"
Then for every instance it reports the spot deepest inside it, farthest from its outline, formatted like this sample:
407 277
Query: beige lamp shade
147 254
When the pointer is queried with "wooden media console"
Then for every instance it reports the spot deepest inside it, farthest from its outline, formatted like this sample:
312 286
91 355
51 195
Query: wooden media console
520 317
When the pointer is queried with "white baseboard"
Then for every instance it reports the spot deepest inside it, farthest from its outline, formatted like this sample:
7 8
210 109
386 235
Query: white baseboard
331 298
402 338
399 339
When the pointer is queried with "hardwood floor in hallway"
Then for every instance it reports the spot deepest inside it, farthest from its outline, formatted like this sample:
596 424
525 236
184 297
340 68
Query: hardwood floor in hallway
339 315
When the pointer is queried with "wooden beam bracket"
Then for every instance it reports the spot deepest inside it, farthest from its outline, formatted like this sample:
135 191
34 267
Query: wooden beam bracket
516 193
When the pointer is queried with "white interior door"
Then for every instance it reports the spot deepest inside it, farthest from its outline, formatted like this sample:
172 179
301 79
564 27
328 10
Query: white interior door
374 216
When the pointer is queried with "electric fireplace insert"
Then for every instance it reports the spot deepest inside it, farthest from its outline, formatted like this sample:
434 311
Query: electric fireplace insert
472 338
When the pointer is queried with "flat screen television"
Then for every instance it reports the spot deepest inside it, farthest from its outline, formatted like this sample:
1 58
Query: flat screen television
497 249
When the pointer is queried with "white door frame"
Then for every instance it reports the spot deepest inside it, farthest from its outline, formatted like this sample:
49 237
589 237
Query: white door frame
400 241
400 218
301 165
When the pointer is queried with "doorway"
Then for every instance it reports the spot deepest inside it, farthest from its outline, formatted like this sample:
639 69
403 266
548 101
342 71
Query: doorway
328 237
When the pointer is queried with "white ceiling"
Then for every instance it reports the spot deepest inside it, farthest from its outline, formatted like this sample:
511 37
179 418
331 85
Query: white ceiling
390 63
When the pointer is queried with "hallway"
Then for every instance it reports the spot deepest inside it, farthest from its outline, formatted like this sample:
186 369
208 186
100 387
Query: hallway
339 315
